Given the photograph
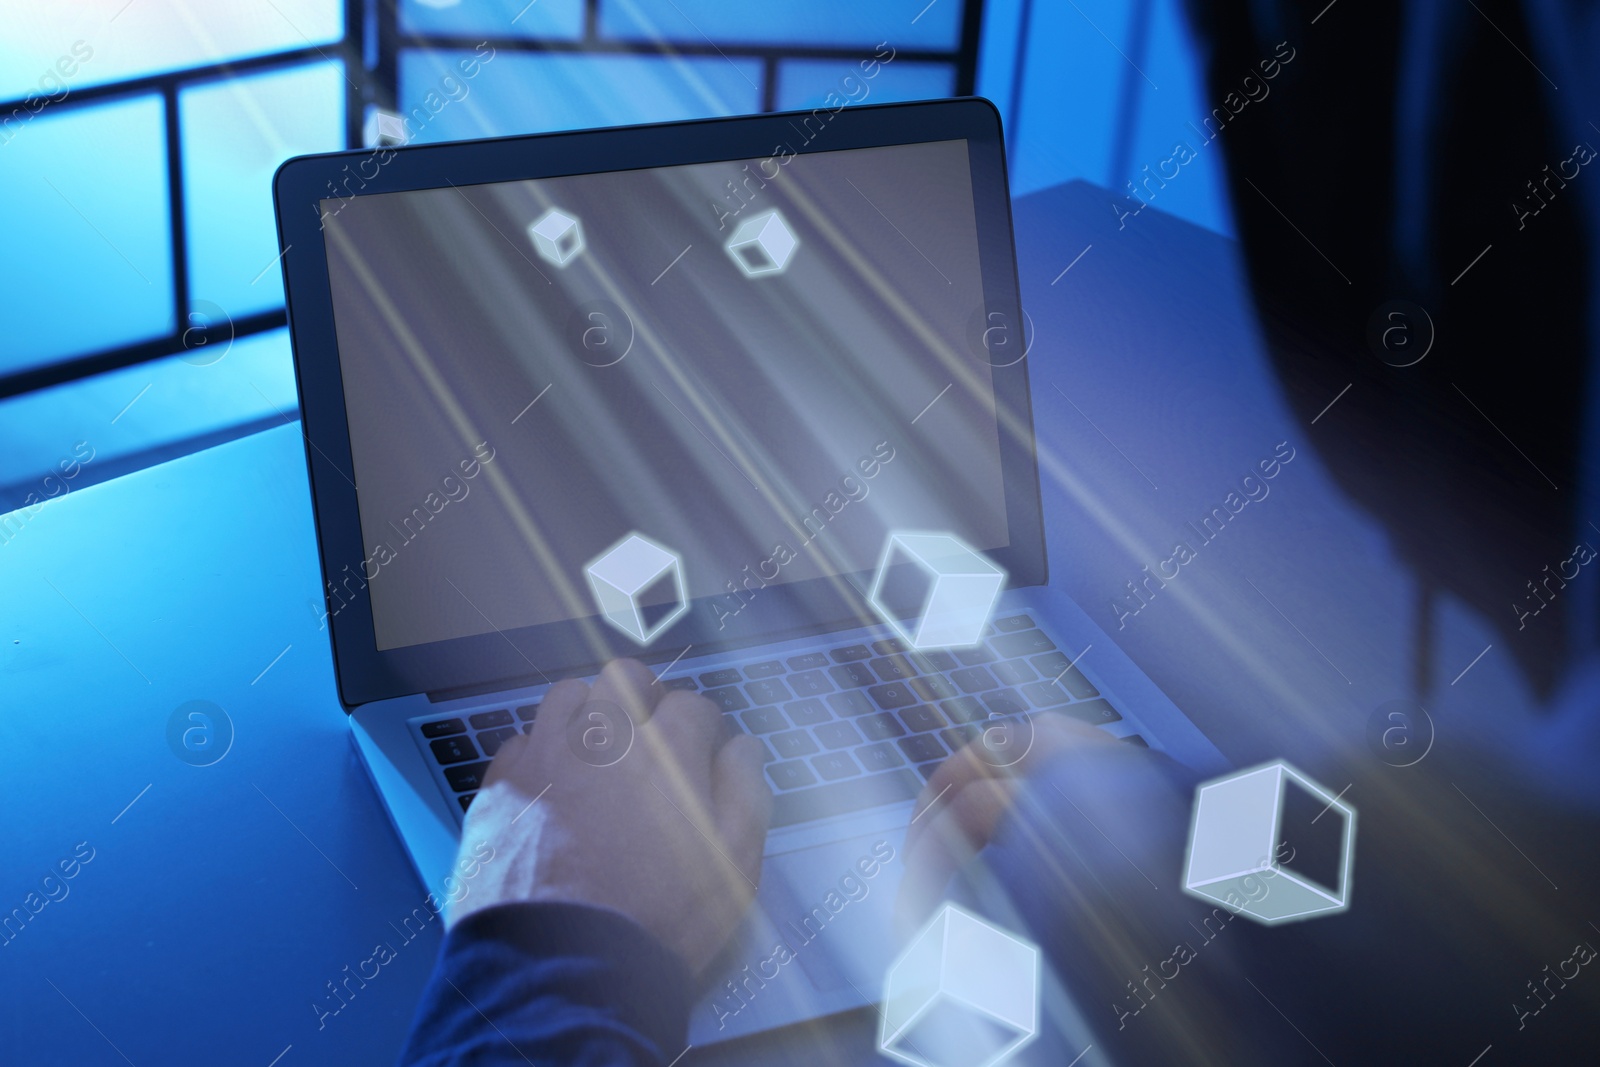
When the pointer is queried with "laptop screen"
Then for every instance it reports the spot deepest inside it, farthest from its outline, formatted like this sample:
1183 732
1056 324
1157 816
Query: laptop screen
762 366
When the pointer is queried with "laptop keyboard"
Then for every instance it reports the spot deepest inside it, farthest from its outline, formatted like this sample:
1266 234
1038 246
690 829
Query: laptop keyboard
845 729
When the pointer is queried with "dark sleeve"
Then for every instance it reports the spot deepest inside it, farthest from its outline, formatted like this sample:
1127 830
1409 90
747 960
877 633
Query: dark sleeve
560 985
1382 178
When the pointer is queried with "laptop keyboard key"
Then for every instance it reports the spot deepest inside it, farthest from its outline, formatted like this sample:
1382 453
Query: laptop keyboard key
935 662
725 676
852 675
770 669
974 680
833 766
807 712
855 794
888 646
964 709
850 653
1005 702
528 712
956 736
1007 737
1021 643
1056 665
453 749
893 695
880 727
919 748
1013 672
764 721
491 740
443 728
1051 664
485 720
466 801
851 703
893 668
880 757
768 691
837 735
466 777
794 744
1136 740
933 687
684 682
728 698
1079 686
921 718
1045 694
810 684
1094 712
926 770
731 726
974 656
793 775
1013 623
807 662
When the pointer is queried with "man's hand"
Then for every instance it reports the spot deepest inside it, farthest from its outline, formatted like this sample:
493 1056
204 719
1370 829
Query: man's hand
962 805
625 798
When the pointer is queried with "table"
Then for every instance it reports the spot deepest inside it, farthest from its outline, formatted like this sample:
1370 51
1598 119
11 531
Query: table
219 900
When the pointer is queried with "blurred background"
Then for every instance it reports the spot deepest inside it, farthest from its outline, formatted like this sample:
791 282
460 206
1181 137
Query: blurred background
138 139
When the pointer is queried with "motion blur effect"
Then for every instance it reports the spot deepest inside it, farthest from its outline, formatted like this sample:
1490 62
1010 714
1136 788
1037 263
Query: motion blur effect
961 534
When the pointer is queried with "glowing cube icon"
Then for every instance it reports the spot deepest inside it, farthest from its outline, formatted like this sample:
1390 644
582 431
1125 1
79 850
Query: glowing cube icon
1271 844
639 587
556 237
763 244
934 590
384 129
963 994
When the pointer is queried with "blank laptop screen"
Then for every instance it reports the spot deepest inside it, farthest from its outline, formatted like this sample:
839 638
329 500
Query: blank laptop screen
763 366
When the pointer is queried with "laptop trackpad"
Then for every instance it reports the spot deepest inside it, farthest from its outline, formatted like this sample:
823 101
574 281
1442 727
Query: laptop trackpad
830 905
819 940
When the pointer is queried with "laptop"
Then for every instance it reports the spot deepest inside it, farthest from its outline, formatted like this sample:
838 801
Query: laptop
674 392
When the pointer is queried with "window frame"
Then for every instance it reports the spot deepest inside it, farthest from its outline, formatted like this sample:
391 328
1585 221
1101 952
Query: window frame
370 51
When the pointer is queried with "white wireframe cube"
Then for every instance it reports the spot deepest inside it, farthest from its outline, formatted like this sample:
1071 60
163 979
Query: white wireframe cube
384 129
964 993
934 590
623 576
557 237
1238 838
763 244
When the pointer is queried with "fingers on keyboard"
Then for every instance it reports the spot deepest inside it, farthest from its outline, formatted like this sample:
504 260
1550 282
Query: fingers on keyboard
845 729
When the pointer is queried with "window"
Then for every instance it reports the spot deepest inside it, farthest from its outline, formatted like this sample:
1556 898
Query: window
138 139
568 64
143 140
1098 90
